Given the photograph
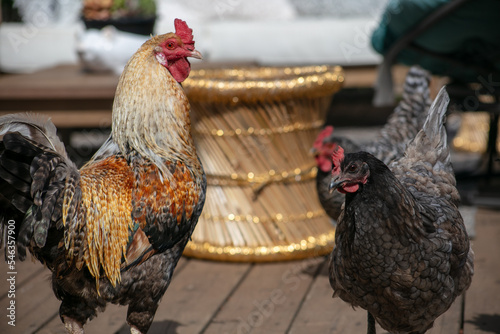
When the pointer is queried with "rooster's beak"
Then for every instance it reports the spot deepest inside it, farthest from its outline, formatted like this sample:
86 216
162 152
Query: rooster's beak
335 183
195 54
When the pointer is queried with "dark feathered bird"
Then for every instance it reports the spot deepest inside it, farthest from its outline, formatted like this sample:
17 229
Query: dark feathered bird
401 127
114 230
402 252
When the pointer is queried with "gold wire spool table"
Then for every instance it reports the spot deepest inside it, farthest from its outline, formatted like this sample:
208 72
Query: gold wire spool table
253 128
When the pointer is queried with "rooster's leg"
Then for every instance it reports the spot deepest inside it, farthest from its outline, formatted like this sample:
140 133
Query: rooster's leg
371 324
140 317
75 312
134 330
72 326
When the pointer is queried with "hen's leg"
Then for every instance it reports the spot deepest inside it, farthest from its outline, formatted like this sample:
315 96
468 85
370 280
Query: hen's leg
371 324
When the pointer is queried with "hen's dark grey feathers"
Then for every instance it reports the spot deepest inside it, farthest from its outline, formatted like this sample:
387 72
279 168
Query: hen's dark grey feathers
402 251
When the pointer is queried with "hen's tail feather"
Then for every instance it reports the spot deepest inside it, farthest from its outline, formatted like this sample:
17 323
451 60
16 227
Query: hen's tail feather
431 140
416 94
429 156
417 81
434 124
407 118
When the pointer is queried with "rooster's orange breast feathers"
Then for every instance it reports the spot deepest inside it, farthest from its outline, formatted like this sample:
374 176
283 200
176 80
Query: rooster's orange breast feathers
121 199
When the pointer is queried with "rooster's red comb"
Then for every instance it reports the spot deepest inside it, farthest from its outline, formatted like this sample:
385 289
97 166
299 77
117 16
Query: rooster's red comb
184 32
322 135
337 157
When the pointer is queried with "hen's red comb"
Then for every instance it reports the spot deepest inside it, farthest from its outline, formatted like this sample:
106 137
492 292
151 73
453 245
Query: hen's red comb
322 135
337 157
184 32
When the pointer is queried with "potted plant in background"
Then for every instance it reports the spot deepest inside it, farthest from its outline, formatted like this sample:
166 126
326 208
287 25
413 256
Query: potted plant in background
134 16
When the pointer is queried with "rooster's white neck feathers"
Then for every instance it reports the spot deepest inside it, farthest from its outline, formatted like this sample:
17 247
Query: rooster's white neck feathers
151 113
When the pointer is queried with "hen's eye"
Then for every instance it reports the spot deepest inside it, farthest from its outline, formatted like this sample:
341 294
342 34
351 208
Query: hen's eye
170 45
352 168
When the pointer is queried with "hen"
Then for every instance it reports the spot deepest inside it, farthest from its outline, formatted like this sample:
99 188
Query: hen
402 251
114 230
401 127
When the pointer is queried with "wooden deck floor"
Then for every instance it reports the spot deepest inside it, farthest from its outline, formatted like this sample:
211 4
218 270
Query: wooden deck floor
291 297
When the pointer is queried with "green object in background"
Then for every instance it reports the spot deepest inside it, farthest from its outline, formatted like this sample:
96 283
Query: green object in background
470 34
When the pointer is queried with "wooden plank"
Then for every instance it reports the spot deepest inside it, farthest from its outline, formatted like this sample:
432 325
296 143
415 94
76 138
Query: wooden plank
365 76
323 314
266 301
25 270
320 313
482 306
195 296
75 118
109 321
62 82
35 303
70 82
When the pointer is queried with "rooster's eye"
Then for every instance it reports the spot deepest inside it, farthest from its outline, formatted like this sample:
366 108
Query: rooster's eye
170 45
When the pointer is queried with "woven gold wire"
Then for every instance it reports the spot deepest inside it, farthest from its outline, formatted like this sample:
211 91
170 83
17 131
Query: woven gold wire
473 133
253 128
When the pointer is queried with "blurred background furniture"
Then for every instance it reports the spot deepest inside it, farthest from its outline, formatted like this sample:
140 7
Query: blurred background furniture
268 32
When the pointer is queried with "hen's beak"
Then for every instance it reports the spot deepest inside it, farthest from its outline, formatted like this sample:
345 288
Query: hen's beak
335 184
195 54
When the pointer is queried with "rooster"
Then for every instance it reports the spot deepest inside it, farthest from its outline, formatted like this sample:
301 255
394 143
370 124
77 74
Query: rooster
401 127
402 251
114 230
